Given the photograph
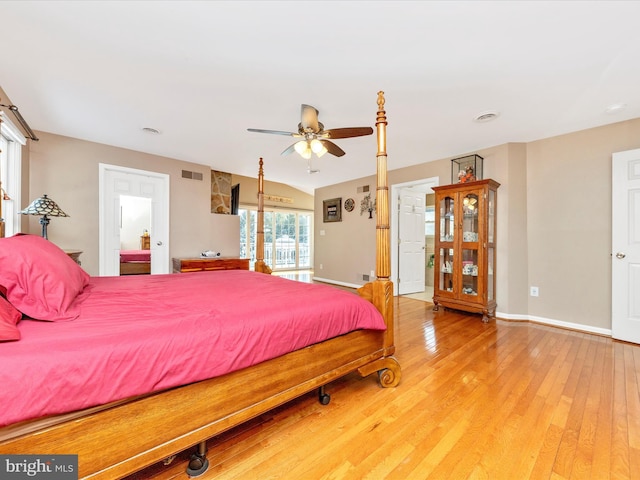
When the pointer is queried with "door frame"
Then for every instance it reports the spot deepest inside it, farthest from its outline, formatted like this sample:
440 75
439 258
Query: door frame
103 225
429 182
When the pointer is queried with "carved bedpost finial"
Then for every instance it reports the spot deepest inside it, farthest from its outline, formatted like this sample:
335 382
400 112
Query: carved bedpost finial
380 101
381 123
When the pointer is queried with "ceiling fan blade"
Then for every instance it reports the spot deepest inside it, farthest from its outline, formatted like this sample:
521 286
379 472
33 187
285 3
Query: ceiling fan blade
309 118
275 132
289 149
332 148
348 132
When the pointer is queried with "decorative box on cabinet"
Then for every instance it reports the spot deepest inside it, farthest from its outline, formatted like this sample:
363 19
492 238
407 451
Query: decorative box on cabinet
465 247
183 265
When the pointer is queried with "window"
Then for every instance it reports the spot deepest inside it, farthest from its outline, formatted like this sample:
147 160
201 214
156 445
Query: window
11 141
287 238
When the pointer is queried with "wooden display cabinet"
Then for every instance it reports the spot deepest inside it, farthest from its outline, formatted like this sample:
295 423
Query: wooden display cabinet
465 247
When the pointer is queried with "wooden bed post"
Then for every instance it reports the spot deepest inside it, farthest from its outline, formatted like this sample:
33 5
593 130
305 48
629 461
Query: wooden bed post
380 291
383 286
260 266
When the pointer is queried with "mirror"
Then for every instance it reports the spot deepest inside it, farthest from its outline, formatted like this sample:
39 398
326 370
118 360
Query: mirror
135 240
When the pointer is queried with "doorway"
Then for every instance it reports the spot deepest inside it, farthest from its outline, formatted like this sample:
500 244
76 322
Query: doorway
118 186
410 255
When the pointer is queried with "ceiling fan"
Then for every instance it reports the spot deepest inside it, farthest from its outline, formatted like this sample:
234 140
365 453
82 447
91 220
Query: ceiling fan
314 138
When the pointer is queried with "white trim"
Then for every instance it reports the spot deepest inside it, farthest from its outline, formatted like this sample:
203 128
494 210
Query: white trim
394 203
13 133
13 181
336 282
555 323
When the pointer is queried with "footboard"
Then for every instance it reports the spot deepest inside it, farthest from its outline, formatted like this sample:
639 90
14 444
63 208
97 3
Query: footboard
125 438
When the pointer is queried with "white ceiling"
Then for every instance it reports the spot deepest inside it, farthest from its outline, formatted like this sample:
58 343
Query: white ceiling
203 72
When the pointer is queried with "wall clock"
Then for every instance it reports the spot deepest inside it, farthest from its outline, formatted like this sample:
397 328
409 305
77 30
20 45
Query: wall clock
349 203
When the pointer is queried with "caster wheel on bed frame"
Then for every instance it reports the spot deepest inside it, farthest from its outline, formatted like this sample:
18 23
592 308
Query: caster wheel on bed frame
198 463
323 397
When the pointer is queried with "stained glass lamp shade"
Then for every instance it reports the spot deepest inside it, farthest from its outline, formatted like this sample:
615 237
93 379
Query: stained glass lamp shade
47 208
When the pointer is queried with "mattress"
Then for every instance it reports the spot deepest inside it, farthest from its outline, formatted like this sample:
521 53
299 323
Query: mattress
129 256
137 335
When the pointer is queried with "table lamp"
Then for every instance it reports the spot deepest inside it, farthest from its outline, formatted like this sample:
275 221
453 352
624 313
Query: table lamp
47 208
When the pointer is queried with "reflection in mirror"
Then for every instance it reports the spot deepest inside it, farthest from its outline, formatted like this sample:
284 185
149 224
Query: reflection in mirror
135 245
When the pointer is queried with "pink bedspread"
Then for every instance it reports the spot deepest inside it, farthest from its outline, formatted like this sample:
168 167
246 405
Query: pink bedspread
141 334
128 256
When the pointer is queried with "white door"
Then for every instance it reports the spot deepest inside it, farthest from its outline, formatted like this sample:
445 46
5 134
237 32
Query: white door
411 245
116 181
625 244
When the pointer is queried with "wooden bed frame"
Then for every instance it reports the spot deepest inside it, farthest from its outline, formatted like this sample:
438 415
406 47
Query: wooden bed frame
129 436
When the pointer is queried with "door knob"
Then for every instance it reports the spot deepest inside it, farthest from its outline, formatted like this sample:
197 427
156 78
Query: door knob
620 255
159 244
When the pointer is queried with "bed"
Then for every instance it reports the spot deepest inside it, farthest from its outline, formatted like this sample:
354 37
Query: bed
167 412
135 262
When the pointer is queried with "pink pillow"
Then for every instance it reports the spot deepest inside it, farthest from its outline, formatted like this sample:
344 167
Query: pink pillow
40 279
9 318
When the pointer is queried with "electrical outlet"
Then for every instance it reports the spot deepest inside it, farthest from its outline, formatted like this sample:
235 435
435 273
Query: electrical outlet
373 274
534 292
321 267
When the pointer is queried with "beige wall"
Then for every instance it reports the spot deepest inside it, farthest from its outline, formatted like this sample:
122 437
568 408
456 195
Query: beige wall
67 170
554 223
569 222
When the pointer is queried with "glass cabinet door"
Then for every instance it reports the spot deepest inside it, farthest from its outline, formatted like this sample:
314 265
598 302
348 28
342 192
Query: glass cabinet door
470 271
445 279
470 217
491 216
447 219
490 275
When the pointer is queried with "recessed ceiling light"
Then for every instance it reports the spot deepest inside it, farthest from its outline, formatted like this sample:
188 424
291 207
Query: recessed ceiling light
486 116
615 108
153 131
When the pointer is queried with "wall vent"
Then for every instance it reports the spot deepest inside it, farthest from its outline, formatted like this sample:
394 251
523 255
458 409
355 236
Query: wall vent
365 277
363 189
191 175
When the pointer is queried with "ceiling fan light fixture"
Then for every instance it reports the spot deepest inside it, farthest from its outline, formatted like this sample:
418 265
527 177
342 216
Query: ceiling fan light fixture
316 146
322 151
301 146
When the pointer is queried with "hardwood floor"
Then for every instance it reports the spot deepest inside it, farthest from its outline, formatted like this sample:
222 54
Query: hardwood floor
503 400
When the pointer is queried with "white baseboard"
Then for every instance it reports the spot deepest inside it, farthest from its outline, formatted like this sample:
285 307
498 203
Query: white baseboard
555 323
335 282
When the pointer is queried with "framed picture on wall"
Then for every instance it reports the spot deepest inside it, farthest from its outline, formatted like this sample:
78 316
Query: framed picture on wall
332 210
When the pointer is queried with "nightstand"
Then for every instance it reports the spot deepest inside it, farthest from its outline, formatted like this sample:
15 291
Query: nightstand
75 255
145 242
